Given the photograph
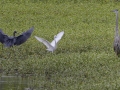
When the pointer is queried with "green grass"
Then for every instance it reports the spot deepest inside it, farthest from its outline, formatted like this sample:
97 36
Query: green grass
84 59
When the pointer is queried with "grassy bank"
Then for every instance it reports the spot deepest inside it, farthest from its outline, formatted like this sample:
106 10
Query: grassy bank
84 58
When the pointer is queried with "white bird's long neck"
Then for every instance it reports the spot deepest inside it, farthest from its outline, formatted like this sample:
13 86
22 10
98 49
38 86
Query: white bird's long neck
55 44
116 28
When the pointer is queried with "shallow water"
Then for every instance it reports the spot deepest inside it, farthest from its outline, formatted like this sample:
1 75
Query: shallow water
16 83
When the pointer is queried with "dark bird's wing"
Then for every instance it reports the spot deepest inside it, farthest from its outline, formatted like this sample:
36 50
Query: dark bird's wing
24 36
3 37
117 45
9 41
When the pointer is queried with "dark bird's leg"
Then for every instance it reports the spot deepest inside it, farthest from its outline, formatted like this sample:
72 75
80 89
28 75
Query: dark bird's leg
2 50
16 63
2 46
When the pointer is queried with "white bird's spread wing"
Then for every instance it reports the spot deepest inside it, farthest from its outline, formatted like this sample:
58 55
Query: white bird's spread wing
45 42
53 43
57 38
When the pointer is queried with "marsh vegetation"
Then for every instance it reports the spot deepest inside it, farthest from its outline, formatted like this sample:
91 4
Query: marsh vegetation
84 58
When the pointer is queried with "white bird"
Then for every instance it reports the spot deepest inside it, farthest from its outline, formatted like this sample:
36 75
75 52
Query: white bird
53 45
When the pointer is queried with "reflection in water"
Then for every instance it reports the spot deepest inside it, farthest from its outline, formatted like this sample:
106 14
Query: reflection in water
15 83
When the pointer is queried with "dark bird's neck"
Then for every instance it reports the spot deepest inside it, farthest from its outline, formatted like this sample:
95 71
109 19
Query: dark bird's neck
14 33
116 28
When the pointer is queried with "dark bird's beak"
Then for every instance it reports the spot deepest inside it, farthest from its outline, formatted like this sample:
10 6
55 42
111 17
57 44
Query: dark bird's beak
114 10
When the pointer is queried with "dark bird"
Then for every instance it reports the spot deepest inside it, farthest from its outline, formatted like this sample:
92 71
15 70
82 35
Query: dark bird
117 37
9 41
